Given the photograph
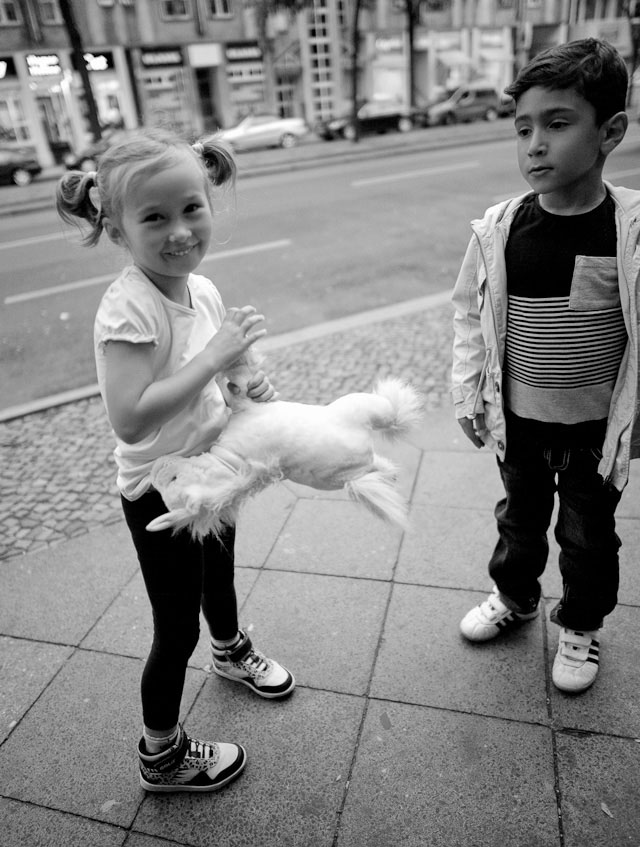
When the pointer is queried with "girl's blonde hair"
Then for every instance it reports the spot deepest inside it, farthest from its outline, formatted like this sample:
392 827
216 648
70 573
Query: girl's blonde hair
90 197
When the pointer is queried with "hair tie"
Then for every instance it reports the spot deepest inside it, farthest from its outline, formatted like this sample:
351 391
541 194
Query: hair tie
92 175
94 198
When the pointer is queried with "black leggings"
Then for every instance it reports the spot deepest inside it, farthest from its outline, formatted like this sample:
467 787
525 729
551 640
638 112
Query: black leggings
181 576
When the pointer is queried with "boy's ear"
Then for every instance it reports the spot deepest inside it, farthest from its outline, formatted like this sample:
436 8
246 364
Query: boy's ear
614 130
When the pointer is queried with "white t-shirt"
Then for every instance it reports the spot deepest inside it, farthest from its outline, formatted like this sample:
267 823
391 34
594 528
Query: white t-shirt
133 309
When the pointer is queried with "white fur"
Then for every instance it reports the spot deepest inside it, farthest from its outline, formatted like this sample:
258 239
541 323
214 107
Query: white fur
326 447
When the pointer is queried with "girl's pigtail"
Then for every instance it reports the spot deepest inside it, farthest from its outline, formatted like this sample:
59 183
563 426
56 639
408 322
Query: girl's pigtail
218 160
78 199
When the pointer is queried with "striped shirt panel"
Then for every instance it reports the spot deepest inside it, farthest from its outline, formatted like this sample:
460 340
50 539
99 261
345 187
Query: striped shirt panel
553 353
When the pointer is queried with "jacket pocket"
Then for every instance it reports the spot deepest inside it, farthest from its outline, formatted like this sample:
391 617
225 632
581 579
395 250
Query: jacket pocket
594 285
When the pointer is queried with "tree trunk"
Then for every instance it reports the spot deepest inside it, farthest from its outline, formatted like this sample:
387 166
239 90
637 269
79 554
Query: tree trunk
68 16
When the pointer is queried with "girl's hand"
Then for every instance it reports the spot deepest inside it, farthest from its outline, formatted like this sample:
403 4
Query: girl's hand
259 388
236 334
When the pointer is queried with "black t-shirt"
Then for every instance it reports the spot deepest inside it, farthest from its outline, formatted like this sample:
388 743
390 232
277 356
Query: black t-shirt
540 258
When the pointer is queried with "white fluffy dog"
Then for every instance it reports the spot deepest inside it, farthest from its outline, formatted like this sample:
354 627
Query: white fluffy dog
325 447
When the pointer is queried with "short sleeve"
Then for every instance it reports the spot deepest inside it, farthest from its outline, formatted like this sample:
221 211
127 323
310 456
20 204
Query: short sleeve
129 311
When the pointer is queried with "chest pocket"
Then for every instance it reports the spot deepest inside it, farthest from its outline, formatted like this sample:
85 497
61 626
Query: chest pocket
594 285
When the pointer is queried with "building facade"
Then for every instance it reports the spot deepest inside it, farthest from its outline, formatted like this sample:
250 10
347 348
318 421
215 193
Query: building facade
196 65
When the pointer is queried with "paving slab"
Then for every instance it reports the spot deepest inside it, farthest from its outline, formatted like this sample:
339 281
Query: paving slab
26 669
26 825
75 750
444 779
336 537
57 594
325 629
462 480
598 783
126 628
423 659
610 706
447 546
291 791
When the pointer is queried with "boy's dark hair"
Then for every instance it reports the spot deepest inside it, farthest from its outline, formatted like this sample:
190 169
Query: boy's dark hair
592 67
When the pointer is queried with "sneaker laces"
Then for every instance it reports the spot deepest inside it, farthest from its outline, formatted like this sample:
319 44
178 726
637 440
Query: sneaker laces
257 661
200 749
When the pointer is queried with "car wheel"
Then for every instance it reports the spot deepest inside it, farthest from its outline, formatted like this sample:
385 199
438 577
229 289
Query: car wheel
21 177
491 114
405 124
349 132
449 119
288 140
88 164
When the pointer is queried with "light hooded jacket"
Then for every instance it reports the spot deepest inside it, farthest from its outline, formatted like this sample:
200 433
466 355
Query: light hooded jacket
480 326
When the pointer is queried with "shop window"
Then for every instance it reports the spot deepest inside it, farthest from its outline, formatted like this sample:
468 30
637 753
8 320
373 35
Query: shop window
50 12
175 10
13 124
220 8
9 12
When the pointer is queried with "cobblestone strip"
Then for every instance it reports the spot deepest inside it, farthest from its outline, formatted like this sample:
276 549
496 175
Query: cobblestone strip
58 472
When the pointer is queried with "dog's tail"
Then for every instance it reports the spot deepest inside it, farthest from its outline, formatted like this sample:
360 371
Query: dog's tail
378 492
407 408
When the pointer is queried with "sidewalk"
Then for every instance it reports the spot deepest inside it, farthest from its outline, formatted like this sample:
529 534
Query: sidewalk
399 734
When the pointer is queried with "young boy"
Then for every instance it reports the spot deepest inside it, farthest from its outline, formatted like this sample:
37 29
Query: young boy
546 363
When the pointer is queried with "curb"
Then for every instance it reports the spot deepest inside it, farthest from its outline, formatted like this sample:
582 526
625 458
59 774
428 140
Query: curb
275 342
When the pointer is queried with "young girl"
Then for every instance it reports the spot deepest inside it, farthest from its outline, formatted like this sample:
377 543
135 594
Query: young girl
161 338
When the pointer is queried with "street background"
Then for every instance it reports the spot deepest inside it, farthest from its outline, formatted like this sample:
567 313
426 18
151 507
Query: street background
400 734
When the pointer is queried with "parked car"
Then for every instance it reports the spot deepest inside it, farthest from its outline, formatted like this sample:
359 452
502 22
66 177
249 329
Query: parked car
87 158
374 116
256 131
471 102
18 165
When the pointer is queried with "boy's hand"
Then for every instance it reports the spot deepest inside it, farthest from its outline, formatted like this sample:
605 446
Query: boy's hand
260 389
473 428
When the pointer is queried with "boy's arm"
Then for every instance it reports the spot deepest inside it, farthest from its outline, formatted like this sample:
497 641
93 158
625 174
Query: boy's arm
468 344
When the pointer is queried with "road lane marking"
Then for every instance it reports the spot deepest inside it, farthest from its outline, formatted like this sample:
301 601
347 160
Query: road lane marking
443 169
34 239
100 280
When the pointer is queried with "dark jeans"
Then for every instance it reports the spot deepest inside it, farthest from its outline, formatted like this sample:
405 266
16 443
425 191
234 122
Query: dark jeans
585 531
182 576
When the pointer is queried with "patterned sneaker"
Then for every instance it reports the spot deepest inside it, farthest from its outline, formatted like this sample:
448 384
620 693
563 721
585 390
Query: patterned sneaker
575 666
243 663
190 765
491 618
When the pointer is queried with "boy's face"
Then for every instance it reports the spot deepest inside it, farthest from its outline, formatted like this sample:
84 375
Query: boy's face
560 151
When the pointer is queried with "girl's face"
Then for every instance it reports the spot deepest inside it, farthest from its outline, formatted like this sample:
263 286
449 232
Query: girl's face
167 224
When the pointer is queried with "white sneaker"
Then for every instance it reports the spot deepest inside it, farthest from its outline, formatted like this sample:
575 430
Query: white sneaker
243 663
190 765
575 666
491 618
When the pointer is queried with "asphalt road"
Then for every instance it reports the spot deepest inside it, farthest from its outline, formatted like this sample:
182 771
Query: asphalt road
306 245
